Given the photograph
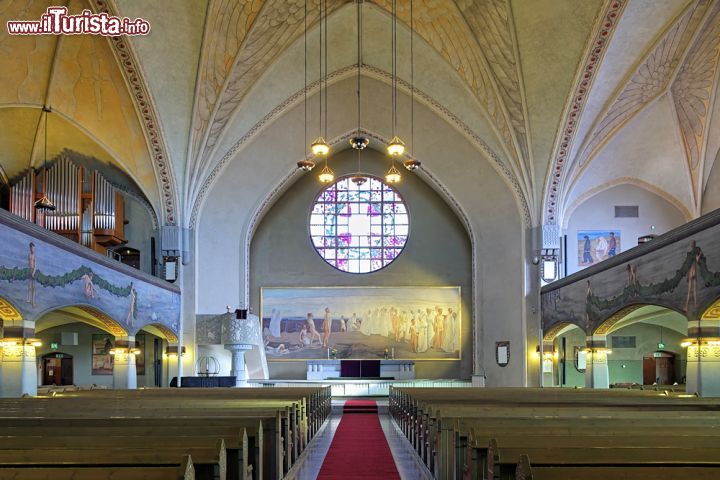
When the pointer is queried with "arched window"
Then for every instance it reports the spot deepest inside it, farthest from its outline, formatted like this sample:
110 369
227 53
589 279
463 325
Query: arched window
359 227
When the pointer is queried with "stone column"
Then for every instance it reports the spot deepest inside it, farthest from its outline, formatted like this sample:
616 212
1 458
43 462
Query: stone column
703 358
548 360
18 367
238 335
124 369
238 369
596 369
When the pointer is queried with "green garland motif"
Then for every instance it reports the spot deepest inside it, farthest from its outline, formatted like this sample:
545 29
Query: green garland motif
637 290
19 274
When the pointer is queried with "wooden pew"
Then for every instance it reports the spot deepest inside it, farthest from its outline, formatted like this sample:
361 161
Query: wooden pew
184 471
447 426
291 415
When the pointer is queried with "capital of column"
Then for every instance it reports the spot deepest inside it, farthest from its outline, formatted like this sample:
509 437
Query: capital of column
703 328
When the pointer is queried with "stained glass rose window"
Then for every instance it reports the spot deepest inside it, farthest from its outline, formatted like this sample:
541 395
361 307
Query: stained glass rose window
359 227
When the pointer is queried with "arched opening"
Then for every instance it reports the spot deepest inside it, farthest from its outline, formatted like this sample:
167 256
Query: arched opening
153 364
8 312
567 355
438 253
82 334
645 345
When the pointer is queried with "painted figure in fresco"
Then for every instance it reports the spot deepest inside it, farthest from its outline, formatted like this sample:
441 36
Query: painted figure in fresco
451 333
587 257
439 325
422 332
692 275
312 331
588 306
275 320
88 286
305 339
429 327
32 265
133 305
326 328
395 322
600 248
413 336
633 283
343 323
612 245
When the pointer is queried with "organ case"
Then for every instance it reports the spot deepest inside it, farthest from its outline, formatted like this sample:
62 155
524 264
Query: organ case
89 210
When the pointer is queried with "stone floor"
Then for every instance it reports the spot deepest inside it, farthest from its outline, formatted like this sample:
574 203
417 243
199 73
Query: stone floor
405 460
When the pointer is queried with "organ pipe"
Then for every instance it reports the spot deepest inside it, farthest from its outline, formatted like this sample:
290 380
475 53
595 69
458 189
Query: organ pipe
89 208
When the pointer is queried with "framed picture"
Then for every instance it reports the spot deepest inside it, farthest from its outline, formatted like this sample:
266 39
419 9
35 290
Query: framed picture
140 358
594 246
363 323
102 361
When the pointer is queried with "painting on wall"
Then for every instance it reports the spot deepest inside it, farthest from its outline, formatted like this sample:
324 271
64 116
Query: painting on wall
597 245
102 361
369 323
37 276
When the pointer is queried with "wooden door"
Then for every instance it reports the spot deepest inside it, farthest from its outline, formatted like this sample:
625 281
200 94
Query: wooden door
665 370
66 371
51 371
648 370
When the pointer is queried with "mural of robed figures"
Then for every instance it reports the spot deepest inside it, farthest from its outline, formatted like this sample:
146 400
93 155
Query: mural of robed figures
421 323
597 245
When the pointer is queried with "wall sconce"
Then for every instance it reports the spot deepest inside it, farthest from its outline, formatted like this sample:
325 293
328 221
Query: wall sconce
171 351
124 350
16 342
710 342
548 354
549 264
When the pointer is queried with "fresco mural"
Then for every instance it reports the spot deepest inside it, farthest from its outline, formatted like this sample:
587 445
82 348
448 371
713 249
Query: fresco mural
37 276
361 323
597 245
683 275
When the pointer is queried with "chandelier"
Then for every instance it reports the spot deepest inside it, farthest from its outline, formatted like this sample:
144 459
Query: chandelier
396 148
44 203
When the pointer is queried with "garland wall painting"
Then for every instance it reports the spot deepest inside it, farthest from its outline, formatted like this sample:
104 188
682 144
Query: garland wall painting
37 276
405 323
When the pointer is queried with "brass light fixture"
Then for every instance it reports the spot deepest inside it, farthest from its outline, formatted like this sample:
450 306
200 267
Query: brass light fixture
44 203
393 175
396 147
320 147
359 142
412 164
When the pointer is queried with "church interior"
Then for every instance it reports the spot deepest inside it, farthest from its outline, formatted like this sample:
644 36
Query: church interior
417 239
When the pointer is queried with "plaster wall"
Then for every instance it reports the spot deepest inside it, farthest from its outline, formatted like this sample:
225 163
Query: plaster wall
452 165
598 213
138 232
438 252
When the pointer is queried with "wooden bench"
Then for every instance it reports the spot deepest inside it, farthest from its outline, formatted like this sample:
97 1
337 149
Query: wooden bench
184 471
265 430
454 430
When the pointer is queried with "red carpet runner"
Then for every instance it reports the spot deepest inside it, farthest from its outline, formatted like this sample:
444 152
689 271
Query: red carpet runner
359 448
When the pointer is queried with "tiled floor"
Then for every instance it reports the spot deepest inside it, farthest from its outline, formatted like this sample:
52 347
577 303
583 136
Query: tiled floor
405 459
